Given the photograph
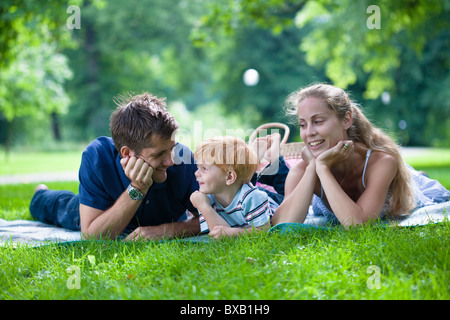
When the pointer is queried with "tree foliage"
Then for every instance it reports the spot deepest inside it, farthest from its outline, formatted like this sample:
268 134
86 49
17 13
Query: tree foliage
32 69
196 52
405 57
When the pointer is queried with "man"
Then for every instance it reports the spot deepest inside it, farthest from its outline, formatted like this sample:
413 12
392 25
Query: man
136 184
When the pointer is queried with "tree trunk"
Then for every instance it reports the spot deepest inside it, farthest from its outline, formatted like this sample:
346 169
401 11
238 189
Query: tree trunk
9 135
55 126
92 52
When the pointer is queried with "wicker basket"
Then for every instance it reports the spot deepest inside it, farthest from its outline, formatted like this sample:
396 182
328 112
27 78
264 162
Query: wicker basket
291 151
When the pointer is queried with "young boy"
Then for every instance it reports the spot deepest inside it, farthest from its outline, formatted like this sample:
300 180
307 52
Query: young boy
229 205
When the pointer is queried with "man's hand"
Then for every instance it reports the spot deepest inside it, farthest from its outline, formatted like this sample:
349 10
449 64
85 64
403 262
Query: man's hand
154 233
170 230
199 200
139 172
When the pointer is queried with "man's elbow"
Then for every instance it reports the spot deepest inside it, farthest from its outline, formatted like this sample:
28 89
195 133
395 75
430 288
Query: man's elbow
90 233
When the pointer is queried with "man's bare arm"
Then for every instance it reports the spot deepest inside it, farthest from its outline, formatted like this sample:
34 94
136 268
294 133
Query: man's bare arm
111 223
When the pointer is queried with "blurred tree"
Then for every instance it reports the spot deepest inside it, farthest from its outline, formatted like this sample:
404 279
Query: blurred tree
148 45
132 46
197 51
276 58
399 48
31 22
259 35
32 71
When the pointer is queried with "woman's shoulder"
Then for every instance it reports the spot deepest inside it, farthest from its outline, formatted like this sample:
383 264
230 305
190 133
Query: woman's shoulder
379 157
380 162
374 156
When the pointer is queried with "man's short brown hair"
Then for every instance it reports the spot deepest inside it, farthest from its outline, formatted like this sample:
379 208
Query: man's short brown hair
138 119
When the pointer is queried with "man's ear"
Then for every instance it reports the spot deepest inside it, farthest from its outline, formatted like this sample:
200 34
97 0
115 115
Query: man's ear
126 152
231 177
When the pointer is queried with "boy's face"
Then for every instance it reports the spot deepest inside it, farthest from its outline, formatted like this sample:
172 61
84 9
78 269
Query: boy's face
211 178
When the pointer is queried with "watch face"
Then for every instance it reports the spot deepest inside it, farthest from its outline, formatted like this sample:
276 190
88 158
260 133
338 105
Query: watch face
135 194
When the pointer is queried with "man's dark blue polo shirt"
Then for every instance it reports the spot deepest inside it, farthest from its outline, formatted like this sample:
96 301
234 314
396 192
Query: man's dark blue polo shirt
102 182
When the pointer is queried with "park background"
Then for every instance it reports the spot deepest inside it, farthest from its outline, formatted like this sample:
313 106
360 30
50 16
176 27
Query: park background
63 62
59 76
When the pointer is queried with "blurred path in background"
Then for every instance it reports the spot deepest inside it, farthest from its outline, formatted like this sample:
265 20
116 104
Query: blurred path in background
39 177
73 176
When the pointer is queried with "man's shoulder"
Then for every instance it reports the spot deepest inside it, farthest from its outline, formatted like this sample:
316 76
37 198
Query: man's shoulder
101 151
101 143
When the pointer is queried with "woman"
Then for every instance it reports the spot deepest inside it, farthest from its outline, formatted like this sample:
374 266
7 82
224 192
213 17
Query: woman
350 170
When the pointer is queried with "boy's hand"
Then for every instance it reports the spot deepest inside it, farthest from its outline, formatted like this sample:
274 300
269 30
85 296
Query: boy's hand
139 172
199 200
225 231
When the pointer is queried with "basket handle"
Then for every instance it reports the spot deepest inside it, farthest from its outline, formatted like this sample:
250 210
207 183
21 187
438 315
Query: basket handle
271 125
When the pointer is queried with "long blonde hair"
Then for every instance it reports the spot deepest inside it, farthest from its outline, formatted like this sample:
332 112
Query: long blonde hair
401 199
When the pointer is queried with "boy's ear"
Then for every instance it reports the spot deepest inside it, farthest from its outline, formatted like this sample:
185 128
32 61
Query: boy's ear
231 177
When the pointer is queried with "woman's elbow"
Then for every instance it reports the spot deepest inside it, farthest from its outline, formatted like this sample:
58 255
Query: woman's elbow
283 216
357 219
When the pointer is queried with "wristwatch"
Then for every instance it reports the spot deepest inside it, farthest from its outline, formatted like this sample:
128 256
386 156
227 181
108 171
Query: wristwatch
134 193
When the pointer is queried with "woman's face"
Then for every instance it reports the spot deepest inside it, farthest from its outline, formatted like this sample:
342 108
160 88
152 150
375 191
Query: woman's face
320 128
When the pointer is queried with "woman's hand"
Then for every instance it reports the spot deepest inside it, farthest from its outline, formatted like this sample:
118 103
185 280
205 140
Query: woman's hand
340 152
307 155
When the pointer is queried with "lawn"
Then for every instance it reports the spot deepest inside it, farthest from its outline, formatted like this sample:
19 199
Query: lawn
368 262
361 263
33 162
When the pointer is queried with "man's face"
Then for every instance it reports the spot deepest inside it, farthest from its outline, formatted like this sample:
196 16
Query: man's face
159 156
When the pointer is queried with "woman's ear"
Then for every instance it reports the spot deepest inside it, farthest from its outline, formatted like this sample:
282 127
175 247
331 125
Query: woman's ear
231 177
348 120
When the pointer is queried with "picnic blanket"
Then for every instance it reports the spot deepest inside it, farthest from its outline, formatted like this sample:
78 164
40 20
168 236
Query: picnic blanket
36 233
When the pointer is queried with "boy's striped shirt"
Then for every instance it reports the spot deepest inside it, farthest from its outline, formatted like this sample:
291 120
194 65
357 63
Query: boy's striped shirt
250 207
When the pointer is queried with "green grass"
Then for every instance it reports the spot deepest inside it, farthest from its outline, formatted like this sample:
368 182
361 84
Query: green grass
33 162
58 161
412 263
435 162
15 198
432 157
